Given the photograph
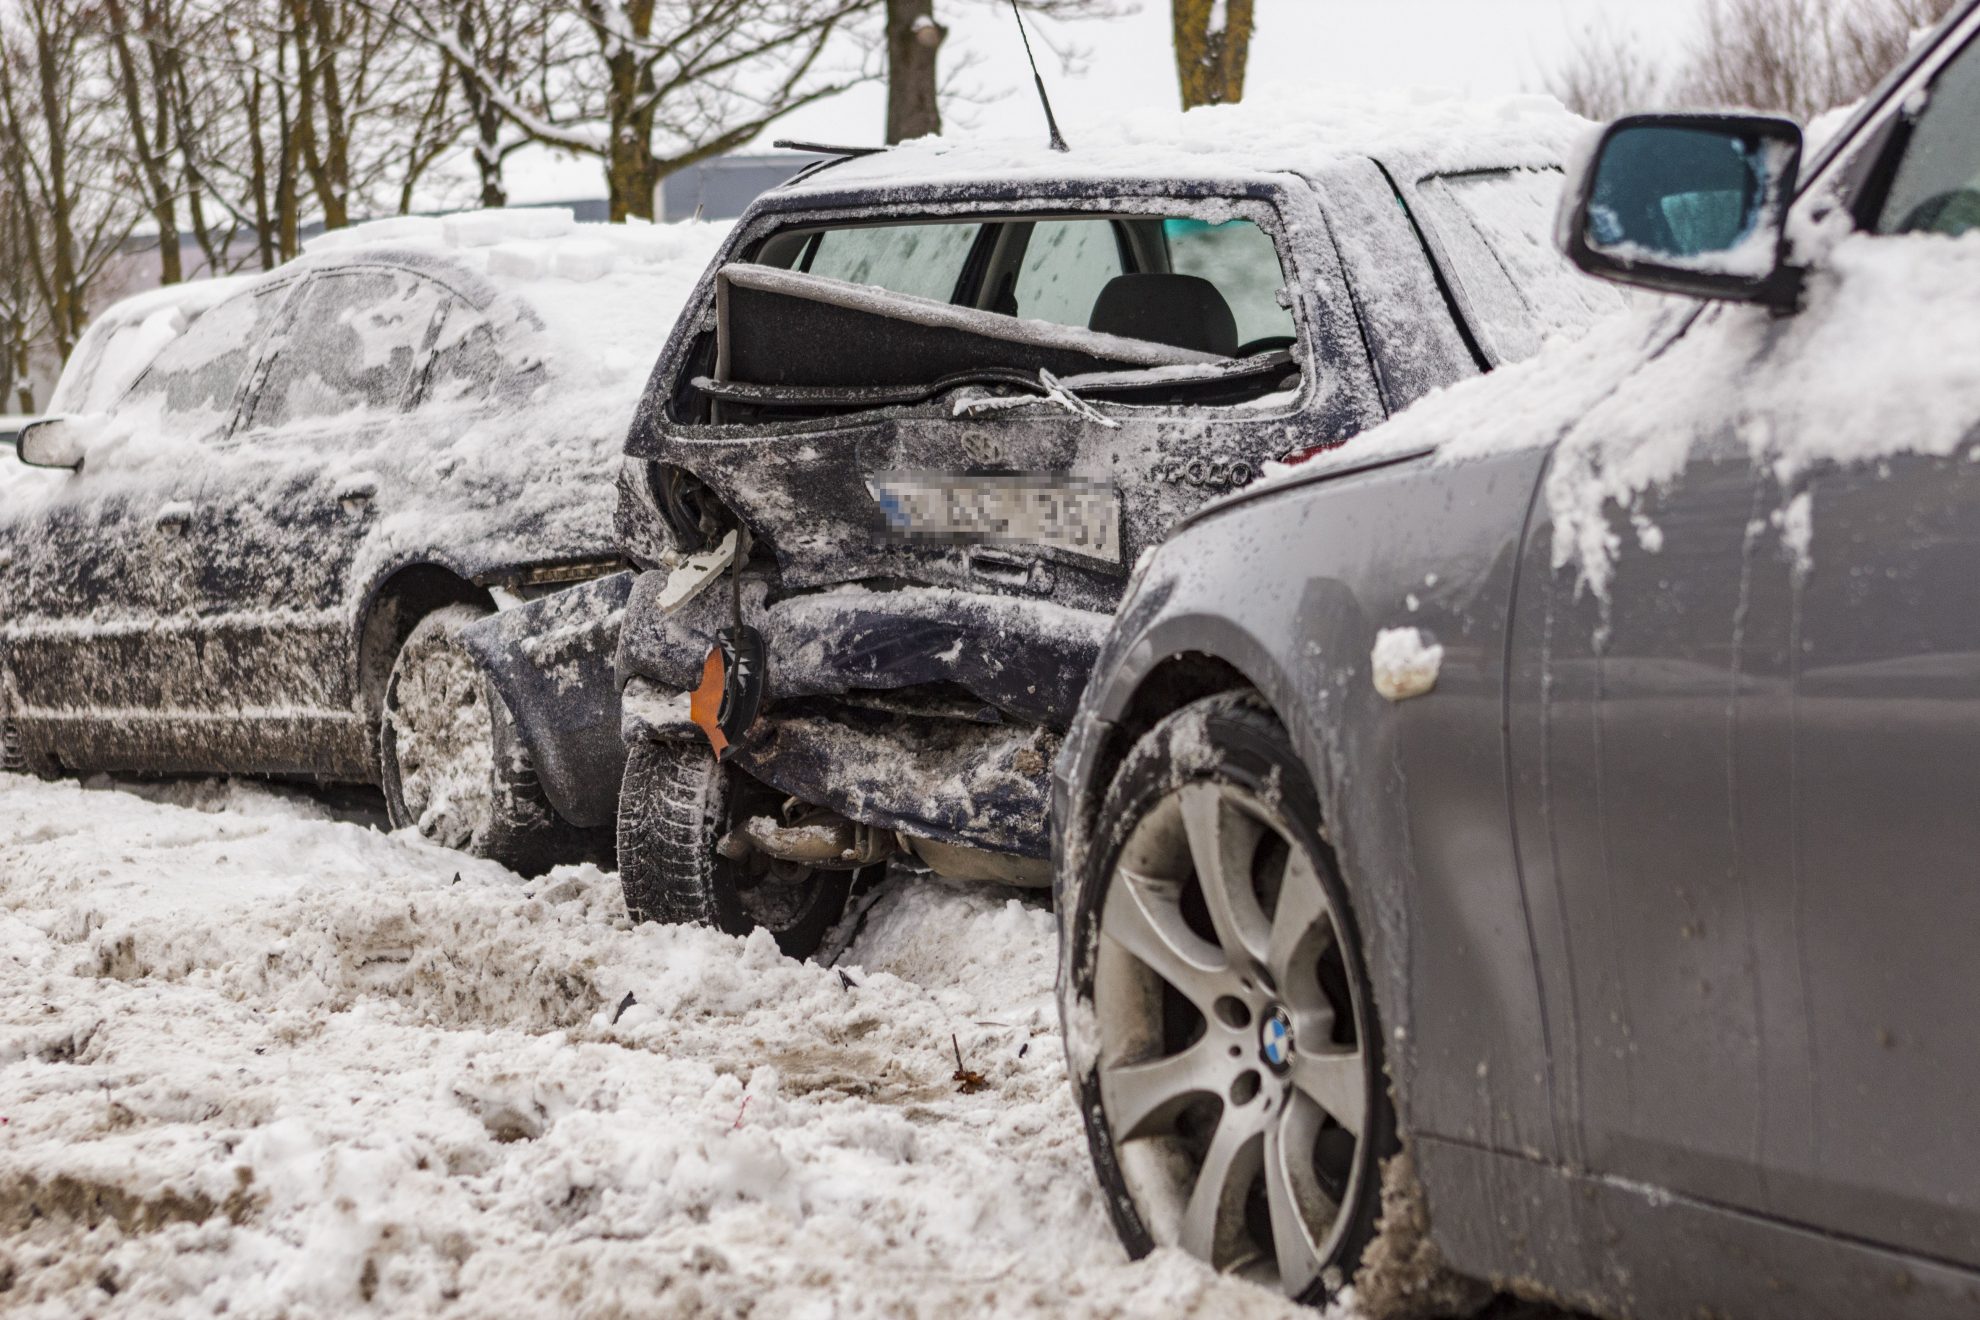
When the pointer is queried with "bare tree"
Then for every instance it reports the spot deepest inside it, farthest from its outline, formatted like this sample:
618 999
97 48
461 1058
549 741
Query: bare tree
1608 73
57 159
1213 43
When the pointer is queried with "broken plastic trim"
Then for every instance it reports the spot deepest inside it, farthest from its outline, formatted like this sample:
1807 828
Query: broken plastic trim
1102 383
726 704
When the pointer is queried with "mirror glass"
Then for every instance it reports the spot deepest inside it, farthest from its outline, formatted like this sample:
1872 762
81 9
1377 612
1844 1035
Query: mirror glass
1687 195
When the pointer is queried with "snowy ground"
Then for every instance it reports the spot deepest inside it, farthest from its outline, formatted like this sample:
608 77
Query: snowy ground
257 1059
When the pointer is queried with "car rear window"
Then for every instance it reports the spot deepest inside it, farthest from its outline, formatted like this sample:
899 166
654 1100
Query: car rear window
1497 229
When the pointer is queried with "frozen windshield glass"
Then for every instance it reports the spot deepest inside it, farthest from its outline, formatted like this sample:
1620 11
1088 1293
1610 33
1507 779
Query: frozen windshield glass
1066 265
1497 231
923 260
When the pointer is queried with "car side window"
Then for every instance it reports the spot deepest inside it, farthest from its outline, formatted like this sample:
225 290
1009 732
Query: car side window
1240 259
925 260
195 380
352 347
467 361
1936 189
1066 265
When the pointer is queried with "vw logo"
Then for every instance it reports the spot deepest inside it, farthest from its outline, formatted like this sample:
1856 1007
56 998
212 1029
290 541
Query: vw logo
1275 1039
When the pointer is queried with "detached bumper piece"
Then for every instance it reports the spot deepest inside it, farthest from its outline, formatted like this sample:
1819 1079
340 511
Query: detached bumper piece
981 786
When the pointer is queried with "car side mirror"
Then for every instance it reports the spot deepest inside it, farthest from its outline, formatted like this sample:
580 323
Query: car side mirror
1688 204
55 442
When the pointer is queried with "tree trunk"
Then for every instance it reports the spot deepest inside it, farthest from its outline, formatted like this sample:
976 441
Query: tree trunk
487 117
914 39
1213 40
148 140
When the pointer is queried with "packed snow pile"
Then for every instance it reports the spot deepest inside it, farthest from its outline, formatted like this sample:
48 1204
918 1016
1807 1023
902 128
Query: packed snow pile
260 1060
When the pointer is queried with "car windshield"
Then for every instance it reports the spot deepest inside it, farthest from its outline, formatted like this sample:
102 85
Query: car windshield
835 317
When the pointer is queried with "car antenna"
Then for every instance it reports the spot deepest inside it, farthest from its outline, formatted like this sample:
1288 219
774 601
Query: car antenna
1058 139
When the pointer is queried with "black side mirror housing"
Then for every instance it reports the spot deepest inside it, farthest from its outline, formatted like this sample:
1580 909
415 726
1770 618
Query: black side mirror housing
1688 204
53 442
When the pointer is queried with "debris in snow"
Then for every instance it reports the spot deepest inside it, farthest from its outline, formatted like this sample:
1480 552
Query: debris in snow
1405 661
967 1081
624 1004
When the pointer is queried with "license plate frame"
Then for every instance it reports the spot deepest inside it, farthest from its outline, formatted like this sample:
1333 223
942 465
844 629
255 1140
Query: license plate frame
1059 512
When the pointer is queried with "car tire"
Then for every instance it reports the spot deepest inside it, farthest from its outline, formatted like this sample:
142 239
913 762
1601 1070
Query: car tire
1220 1071
451 762
676 804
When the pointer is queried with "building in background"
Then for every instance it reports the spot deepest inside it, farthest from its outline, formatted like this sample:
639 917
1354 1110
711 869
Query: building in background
723 188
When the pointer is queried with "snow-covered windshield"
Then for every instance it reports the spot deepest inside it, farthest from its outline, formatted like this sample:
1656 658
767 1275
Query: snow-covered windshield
1496 227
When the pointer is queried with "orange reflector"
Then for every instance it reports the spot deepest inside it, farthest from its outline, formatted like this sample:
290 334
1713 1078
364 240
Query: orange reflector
705 702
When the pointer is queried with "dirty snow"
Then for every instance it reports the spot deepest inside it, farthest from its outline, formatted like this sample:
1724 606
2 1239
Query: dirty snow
258 1057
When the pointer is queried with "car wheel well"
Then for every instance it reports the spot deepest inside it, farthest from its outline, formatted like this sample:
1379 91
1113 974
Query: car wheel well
1166 689
395 609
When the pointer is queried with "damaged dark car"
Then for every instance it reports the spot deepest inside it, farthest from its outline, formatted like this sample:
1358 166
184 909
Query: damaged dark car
263 554
905 446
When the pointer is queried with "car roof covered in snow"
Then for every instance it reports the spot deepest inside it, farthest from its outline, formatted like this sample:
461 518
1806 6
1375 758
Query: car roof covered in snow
1425 132
604 295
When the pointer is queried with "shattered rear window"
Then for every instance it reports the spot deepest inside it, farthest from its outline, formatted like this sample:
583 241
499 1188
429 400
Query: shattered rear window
863 315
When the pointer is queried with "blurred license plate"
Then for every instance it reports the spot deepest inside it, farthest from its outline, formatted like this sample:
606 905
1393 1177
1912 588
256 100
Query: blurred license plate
1082 517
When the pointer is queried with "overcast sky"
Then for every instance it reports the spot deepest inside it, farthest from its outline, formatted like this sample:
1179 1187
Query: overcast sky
1478 46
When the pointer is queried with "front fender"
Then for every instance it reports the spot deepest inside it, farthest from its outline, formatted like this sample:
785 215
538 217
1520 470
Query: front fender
552 663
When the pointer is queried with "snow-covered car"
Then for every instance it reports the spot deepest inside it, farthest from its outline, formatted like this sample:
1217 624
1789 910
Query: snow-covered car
272 538
929 406
1582 800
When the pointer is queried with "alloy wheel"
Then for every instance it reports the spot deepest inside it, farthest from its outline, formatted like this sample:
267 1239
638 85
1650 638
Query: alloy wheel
1232 1074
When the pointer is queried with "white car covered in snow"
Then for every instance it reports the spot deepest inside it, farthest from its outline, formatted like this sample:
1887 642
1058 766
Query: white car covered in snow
266 545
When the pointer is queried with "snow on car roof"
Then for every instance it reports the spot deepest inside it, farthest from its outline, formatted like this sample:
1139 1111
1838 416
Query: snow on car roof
604 296
1439 131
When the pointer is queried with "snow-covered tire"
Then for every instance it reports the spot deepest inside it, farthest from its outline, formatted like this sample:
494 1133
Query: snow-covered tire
451 763
675 804
1150 987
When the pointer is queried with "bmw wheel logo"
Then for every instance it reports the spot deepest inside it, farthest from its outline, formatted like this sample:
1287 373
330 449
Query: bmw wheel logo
1275 1039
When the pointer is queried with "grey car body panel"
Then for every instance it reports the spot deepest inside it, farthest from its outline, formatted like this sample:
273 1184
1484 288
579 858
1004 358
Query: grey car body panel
1669 898
1438 913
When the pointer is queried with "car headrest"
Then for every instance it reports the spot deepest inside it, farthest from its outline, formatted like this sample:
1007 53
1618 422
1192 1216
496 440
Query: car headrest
1184 311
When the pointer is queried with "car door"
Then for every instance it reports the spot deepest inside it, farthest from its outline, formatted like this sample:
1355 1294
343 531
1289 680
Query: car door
1745 711
101 652
285 508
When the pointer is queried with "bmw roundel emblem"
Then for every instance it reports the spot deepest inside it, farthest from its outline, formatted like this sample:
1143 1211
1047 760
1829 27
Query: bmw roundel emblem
1275 1040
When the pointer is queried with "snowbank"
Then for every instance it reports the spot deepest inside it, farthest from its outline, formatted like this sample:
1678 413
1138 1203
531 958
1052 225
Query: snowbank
260 1058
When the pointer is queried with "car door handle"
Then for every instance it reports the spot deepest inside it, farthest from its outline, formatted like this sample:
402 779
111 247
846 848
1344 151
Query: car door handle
173 518
354 493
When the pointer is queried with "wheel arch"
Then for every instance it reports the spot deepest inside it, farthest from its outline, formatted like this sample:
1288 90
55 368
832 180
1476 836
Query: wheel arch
393 606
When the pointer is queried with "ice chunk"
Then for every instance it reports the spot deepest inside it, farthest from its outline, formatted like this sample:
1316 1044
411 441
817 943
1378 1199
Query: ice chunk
398 231
1405 662
488 228
583 261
